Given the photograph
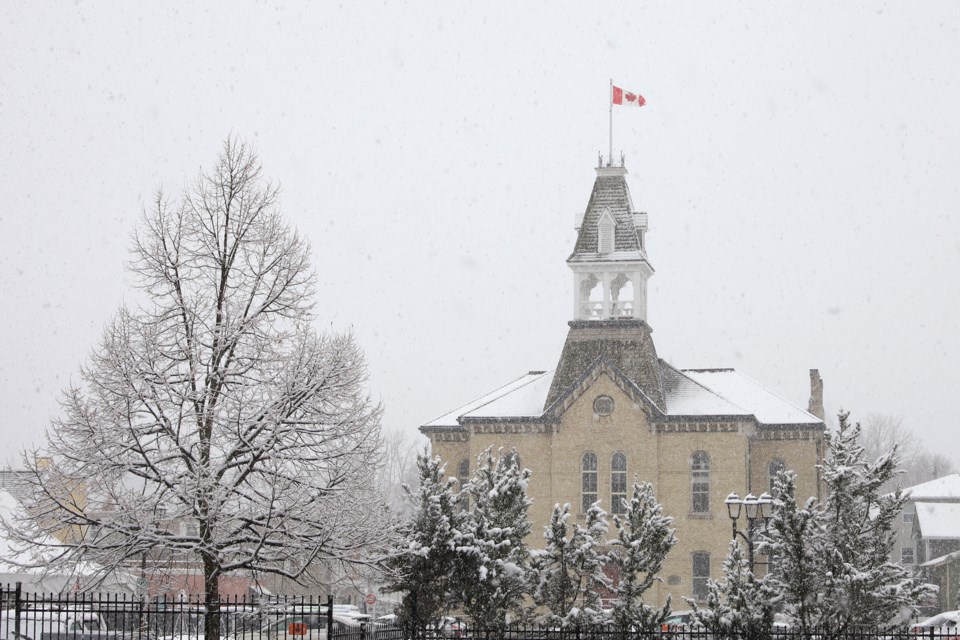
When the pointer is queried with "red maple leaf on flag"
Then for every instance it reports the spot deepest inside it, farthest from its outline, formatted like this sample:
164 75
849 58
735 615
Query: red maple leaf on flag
630 96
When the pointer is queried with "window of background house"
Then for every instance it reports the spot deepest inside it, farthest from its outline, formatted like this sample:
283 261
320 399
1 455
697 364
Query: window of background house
907 517
701 573
618 484
906 556
700 481
588 484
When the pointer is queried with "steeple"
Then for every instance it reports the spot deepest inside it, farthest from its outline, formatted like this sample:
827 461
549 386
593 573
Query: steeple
610 273
609 261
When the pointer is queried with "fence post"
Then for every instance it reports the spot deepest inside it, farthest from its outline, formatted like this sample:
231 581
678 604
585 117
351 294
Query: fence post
17 608
329 617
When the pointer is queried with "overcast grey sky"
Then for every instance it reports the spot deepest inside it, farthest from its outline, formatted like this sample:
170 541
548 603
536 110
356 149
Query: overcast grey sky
799 164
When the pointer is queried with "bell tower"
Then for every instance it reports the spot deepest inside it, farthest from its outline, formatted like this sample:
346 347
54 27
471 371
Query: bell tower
609 261
610 273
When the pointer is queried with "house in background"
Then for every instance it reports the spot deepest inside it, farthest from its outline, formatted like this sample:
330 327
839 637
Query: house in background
612 411
929 535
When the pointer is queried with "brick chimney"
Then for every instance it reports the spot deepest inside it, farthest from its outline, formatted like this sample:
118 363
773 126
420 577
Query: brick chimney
815 405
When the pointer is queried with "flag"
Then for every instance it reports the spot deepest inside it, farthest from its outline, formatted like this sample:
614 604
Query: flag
626 98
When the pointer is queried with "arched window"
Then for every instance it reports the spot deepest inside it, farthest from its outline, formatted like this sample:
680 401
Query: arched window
700 481
605 233
588 483
463 477
700 574
618 484
773 469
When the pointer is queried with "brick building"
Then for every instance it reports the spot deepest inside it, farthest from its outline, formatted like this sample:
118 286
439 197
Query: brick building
611 410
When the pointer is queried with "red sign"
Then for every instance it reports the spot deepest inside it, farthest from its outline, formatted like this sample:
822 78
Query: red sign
371 598
297 629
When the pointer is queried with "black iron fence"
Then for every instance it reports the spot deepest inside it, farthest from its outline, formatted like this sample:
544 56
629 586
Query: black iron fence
85 616
91 616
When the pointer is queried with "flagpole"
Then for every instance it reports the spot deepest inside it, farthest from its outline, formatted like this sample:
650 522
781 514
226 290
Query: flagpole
610 156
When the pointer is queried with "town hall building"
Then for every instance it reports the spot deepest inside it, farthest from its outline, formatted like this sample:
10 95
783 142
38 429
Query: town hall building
612 411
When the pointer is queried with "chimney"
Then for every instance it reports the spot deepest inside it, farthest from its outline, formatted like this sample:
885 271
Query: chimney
815 405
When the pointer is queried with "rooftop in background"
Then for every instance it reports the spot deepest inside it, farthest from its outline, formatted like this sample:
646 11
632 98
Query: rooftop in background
939 520
945 489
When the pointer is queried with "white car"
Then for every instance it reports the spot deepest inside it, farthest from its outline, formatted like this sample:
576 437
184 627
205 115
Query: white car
944 625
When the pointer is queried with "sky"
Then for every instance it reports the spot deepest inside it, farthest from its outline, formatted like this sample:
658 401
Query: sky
798 164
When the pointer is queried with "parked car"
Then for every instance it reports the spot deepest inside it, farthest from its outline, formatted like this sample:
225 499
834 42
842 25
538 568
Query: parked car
945 626
306 626
43 624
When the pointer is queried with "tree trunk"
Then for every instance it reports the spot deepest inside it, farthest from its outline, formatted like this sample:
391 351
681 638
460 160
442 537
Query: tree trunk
211 607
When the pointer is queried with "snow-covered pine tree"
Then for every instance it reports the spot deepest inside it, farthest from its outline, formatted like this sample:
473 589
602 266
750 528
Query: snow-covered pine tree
588 559
644 538
831 562
793 542
567 575
550 579
492 557
424 562
738 605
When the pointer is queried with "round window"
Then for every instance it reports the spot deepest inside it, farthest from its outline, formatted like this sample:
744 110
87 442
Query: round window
603 405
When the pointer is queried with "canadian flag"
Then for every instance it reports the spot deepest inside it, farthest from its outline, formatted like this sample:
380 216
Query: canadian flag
625 97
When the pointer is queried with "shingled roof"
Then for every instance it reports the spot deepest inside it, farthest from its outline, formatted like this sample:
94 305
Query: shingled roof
626 344
610 193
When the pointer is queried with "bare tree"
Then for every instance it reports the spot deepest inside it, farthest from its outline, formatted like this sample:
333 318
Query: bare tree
882 432
215 403
399 469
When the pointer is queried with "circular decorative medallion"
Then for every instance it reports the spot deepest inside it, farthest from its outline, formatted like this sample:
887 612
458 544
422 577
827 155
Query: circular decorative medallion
603 405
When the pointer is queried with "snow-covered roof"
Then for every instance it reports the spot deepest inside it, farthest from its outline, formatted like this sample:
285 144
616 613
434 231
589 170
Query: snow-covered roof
945 488
751 397
938 519
523 397
690 392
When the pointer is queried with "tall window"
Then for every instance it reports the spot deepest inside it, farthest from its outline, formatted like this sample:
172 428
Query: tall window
618 484
588 483
463 476
775 467
700 481
701 573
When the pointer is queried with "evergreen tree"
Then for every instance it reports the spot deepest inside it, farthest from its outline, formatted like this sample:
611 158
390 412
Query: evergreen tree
644 538
423 565
551 580
493 559
738 605
589 559
567 576
831 561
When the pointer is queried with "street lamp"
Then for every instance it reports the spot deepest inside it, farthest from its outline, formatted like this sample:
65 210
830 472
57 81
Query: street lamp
755 508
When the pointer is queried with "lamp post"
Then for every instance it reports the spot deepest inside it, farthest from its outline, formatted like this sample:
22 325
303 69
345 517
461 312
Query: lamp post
754 508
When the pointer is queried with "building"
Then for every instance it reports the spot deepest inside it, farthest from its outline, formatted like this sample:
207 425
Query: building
929 535
611 410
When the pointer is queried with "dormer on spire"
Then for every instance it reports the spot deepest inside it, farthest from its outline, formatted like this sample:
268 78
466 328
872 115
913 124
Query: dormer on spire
609 262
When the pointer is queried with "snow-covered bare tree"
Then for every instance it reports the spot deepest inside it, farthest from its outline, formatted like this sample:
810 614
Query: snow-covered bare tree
214 403
882 432
738 605
423 564
566 576
644 538
493 558
399 470
831 562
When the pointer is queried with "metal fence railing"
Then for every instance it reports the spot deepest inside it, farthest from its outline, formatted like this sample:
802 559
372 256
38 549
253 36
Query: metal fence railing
85 616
